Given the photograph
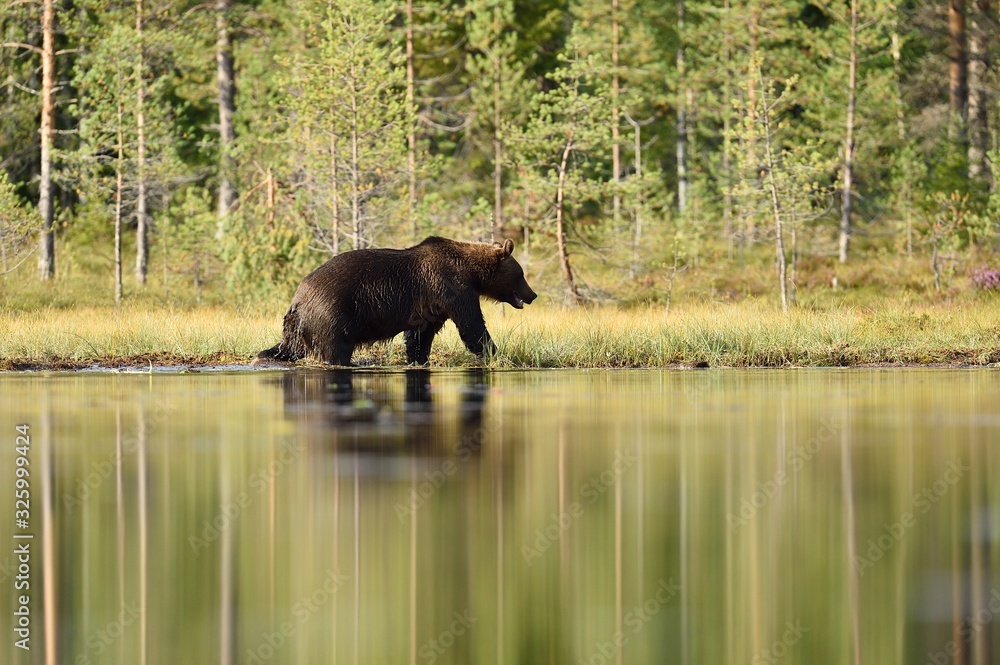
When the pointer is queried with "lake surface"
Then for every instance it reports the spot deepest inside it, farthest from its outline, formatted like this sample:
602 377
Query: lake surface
579 517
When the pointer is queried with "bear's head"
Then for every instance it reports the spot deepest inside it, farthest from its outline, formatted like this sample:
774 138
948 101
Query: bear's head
506 281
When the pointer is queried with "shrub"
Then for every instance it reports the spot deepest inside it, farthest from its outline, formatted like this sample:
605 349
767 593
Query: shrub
986 278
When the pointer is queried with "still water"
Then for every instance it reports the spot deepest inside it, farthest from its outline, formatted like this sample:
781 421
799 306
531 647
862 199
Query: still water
579 517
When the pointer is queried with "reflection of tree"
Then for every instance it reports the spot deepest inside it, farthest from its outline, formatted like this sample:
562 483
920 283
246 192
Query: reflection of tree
847 479
365 422
50 582
143 538
979 578
227 591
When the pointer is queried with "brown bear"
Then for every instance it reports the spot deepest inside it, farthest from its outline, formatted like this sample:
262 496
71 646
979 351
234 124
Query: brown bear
372 295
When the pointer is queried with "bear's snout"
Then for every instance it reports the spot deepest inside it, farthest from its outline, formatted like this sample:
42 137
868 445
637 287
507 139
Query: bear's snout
523 296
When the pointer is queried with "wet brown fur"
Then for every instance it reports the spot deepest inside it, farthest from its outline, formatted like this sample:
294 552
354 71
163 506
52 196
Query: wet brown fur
372 295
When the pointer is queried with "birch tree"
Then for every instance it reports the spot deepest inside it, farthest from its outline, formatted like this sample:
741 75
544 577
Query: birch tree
981 20
859 34
225 78
141 209
788 187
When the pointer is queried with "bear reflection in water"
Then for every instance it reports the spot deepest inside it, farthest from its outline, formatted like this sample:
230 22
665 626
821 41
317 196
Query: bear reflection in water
391 412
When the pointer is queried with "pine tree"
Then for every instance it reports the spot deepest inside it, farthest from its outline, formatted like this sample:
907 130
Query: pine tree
46 203
127 150
566 135
498 93
346 95
18 225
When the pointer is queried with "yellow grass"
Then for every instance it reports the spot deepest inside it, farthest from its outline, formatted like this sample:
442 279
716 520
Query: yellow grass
747 334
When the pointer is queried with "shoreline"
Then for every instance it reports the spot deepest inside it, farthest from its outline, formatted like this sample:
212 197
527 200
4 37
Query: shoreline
168 363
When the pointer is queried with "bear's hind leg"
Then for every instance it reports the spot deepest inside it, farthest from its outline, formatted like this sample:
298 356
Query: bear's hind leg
336 352
418 343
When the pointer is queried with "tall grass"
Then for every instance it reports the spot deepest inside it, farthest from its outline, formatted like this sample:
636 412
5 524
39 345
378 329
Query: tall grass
747 334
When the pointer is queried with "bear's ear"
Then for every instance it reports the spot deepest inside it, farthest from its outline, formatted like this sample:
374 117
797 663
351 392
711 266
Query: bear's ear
508 247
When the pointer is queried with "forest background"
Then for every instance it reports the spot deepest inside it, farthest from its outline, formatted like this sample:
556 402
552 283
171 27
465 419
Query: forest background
810 153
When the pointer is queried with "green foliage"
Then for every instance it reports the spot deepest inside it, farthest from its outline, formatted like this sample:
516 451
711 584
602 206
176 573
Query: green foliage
494 62
909 178
265 260
18 223
186 236
944 231
322 106
984 225
567 133
349 117
107 107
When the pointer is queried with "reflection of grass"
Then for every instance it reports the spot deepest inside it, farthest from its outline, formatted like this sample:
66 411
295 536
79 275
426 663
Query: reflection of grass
743 334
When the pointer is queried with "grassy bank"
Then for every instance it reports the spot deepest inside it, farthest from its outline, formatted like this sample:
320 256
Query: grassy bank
745 334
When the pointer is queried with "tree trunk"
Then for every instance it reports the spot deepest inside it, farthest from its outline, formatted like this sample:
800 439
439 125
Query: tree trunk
355 175
334 195
682 182
411 135
616 167
497 222
906 195
847 489
227 109
142 219
143 500
793 281
51 580
727 141
119 168
637 237
958 69
897 68
560 231
775 203
270 198
747 214
848 166
46 244
978 75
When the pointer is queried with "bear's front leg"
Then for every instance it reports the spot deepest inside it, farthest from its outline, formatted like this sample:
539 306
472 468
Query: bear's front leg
472 329
418 343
